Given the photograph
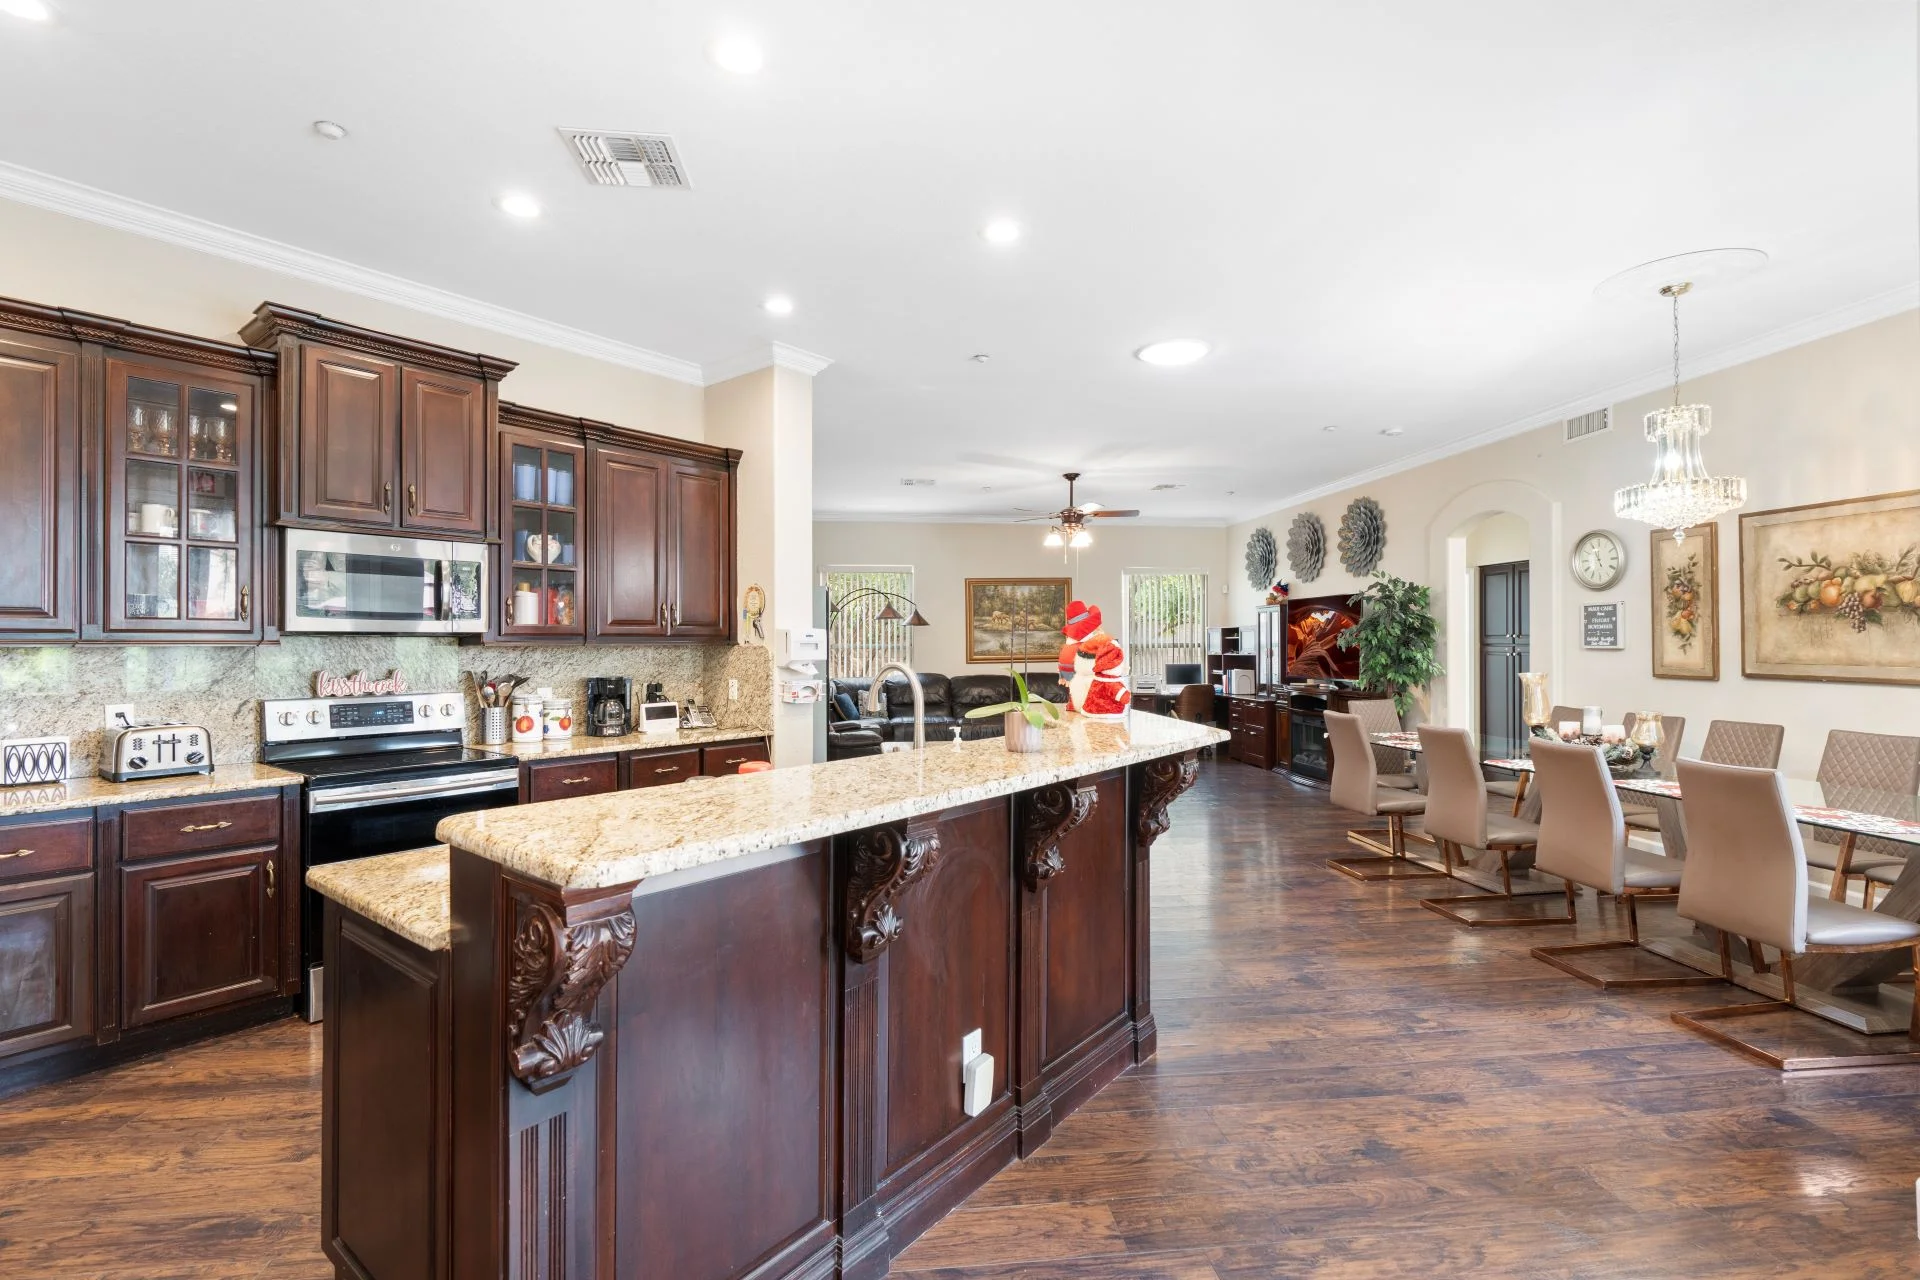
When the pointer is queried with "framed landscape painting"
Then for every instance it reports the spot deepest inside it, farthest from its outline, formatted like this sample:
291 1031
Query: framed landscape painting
1831 591
1686 604
1016 619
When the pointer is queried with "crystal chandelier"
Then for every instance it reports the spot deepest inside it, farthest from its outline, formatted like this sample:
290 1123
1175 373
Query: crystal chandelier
1681 493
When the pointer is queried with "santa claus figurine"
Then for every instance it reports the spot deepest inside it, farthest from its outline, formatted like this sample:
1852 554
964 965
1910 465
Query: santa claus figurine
1082 632
1093 665
1107 698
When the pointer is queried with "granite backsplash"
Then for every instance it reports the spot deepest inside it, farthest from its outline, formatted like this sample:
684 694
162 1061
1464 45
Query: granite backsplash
48 691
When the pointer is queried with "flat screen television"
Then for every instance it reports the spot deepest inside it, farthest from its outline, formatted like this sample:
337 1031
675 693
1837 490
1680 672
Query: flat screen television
1314 625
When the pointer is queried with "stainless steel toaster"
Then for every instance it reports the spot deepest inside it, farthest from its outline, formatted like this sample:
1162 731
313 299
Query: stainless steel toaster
156 751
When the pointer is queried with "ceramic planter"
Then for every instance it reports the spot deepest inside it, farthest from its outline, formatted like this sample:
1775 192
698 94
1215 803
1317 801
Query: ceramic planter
1021 735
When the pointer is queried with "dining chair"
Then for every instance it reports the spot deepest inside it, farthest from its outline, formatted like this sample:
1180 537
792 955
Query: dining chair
1391 766
1583 840
1457 820
1648 812
1746 743
1194 703
1867 764
1355 786
1746 876
1515 788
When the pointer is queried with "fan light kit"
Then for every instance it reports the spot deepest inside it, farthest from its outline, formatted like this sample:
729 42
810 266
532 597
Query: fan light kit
1172 352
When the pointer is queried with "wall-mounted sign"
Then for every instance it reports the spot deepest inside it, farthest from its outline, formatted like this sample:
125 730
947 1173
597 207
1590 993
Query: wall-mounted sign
357 685
1600 625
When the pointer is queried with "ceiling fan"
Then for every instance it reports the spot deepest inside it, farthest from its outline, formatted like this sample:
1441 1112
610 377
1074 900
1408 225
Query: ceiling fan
1070 522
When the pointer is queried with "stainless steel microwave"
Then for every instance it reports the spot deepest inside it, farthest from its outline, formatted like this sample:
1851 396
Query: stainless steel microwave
379 585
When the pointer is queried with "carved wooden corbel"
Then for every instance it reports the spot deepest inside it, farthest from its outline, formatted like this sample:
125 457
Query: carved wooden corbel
1046 816
885 861
1158 784
558 965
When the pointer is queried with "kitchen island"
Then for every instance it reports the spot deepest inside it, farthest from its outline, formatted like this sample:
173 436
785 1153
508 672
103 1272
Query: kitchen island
716 1029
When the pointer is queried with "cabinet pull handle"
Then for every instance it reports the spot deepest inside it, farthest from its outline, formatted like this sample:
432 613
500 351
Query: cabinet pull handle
676 613
668 768
573 782
386 497
734 760
269 879
246 603
206 826
17 853
413 500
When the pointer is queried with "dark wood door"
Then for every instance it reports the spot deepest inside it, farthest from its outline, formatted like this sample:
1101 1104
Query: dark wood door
46 962
1504 653
349 427
198 932
39 487
180 517
628 511
699 553
443 452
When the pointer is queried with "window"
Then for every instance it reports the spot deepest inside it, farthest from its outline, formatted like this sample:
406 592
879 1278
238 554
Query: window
859 640
1165 620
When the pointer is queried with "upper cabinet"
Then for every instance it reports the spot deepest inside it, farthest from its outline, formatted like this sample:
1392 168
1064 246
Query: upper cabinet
377 431
39 486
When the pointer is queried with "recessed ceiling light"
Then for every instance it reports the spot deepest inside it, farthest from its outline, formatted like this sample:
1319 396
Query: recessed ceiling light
1392 431
1000 231
325 128
738 54
1331 426
31 10
778 305
980 357
517 204
1173 351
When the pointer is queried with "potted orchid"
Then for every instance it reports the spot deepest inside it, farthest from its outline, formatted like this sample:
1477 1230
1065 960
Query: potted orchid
1025 716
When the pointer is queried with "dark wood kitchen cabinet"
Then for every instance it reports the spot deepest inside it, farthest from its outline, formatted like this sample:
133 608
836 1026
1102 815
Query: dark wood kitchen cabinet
378 431
699 565
39 483
628 490
542 528
46 933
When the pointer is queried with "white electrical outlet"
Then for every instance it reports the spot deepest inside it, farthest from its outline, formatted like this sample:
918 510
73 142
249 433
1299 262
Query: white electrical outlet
970 1046
113 711
733 691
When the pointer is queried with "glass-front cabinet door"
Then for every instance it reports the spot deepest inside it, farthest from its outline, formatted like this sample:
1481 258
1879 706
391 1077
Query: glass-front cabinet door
179 501
541 482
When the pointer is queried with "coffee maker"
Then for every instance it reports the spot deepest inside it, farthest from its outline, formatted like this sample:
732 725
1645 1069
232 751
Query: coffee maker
609 706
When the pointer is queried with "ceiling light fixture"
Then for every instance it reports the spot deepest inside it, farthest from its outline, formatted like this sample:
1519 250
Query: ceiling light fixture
517 204
1172 352
1080 538
325 128
1000 231
980 357
1331 426
1054 538
1681 493
31 10
778 305
737 53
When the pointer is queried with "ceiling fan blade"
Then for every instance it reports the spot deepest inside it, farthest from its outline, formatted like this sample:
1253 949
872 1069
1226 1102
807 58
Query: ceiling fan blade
1109 515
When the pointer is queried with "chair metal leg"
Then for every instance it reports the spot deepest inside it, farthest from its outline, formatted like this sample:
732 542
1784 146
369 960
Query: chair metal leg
1564 959
1758 957
1449 907
1786 976
1394 865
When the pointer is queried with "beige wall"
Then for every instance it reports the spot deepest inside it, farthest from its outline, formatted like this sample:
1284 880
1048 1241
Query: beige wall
943 556
57 260
1835 418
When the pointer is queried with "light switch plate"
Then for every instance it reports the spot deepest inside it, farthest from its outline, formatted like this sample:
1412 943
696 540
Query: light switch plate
970 1046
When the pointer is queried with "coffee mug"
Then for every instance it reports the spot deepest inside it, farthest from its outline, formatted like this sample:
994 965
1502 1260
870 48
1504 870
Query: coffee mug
156 518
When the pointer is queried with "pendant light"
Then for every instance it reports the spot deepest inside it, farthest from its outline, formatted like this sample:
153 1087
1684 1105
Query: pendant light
1680 493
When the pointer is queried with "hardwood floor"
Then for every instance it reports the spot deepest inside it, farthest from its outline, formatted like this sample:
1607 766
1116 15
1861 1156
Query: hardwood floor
1347 1085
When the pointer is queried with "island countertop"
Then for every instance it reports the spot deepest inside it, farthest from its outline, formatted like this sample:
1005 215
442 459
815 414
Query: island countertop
592 842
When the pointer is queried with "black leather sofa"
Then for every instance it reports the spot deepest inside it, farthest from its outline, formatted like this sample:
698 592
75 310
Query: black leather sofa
947 699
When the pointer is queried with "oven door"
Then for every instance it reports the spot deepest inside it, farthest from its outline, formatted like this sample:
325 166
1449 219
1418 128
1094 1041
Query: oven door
360 821
376 584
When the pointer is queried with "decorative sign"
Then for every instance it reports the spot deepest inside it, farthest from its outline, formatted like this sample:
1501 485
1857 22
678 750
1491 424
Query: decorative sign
357 685
1600 626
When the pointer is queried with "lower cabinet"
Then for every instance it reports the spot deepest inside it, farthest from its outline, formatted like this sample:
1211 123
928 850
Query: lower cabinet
562 779
663 767
729 756
197 933
46 962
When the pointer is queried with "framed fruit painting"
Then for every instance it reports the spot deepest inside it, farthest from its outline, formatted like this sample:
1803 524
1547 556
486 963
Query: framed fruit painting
1686 604
1831 591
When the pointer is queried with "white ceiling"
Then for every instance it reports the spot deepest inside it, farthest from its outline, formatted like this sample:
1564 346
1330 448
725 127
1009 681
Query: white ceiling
1380 212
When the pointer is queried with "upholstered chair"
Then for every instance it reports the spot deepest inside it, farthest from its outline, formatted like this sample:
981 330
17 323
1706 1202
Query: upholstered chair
1645 814
1356 787
1457 819
1583 840
1871 766
1376 715
1746 876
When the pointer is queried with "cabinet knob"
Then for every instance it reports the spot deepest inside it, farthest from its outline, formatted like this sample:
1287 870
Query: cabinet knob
270 884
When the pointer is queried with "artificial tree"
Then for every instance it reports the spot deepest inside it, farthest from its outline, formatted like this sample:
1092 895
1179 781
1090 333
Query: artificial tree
1397 637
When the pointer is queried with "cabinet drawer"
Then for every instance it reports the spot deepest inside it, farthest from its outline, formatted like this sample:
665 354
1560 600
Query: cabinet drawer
668 766
728 757
167 831
559 779
42 848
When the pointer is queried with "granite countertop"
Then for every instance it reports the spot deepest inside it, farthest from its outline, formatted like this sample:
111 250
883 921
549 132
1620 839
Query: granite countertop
85 793
404 892
583 745
595 841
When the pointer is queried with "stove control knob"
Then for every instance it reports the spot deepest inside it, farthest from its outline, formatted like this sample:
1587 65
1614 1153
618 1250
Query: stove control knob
426 712
446 709
286 717
313 717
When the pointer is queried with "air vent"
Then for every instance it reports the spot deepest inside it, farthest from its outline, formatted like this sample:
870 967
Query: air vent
627 159
1589 424
913 482
1162 488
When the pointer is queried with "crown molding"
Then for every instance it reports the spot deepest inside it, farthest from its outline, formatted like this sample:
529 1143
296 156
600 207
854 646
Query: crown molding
775 355
1877 307
44 191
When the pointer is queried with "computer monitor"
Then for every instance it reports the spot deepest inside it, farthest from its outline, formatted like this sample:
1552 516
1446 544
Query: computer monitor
1184 673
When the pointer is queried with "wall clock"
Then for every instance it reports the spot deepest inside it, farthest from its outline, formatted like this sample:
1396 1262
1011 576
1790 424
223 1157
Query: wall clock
1599 560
